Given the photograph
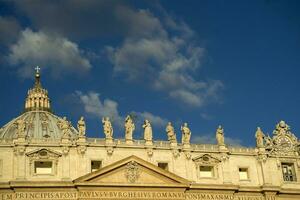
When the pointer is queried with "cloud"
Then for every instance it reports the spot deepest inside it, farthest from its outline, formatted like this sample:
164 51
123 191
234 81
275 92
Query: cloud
93 105
154 119
47 50
9 30
211 139
152 46
89 19
167 57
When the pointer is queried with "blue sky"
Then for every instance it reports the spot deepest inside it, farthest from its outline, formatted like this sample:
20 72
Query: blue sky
234 63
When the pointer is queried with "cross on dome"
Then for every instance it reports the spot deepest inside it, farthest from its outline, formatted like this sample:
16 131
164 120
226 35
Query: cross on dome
37 69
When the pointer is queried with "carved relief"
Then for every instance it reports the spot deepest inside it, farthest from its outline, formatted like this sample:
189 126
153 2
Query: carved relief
283 143
132 172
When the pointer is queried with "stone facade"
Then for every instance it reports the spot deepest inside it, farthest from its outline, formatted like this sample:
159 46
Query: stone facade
42 156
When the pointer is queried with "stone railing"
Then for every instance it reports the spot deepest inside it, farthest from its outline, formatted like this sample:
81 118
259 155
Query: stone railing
136 144
241 150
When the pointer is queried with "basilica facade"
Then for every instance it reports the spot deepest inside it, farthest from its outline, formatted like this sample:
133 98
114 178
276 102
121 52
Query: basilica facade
42 156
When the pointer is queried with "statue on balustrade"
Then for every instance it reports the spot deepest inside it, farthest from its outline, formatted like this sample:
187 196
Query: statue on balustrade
220 136
186 134
81 127
259 135
65 126
171 133
147 131
129 128
107 128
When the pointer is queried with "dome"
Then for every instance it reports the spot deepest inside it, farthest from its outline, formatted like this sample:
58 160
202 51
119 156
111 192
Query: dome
38 125
38 121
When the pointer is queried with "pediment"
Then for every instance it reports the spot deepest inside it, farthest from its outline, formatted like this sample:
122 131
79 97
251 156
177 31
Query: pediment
207 159
44 153
132 171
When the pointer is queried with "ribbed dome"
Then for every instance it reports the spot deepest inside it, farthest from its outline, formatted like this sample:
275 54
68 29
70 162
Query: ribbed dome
39 125
37 122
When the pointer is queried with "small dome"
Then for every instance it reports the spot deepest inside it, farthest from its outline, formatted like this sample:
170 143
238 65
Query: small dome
38 125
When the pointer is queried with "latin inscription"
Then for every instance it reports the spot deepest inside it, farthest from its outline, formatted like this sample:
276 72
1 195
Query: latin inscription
124 195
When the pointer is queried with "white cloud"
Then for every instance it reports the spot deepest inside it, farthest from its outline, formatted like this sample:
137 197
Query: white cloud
211 139
154 119
109 108
93 105
166 57
48 51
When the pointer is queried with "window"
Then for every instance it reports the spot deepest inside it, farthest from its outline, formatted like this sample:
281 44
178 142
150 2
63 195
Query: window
207 171
95 165
41 167
243 173
288 172
163 165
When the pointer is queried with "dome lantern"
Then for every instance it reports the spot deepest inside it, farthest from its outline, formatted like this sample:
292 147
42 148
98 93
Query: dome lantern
37 97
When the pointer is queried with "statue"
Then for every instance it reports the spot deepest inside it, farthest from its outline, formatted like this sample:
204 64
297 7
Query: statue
21 126
171 133
281 128
107 128
259 135
220 136
65 126
186 134
147 131
81 127
129 128
268 141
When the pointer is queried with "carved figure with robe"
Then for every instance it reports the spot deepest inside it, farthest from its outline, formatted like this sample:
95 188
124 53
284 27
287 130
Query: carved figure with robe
186 134
220 136
81 127
147 131
21 126
129 128
259 135
107 128
65 126
171 133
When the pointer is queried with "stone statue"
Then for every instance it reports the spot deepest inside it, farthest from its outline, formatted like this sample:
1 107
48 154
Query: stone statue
21 126
259 135
65 126
220 136
268 141
107 128
81 127
147 131
186 134
281 128
171 133
129 128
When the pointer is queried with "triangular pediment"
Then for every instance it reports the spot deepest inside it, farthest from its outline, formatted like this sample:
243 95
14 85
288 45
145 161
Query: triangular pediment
43 153
132 171
206 158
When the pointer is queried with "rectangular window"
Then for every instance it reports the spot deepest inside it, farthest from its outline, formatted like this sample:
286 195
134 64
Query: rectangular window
163 165
288 172
43 167
95 165
207 171
243 173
